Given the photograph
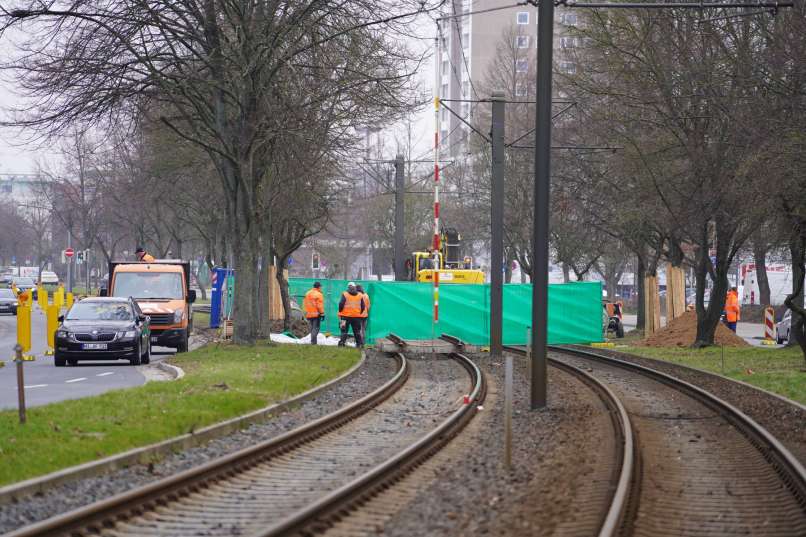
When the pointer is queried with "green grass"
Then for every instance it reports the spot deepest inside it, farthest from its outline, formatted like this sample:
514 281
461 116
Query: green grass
201 320
221 382
777 370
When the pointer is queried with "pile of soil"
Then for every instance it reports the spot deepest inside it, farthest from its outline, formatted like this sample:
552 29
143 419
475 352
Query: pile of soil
299 327
682 332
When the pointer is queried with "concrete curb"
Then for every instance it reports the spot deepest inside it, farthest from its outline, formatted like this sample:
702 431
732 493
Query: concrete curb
152 452
174 371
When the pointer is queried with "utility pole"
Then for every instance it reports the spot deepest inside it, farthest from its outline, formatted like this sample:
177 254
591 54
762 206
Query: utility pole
540 230
69 262
497 225
400 219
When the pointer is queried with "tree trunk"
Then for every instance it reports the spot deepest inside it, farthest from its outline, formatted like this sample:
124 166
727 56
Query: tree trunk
797 249
640 274
284 296
708 318
760 259
566 273
651 305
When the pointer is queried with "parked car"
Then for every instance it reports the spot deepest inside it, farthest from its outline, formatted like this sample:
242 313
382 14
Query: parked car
8 302
784 328
49 278
25 284
108 328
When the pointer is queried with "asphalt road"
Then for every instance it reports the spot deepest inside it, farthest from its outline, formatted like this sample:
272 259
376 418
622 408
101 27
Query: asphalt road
46 383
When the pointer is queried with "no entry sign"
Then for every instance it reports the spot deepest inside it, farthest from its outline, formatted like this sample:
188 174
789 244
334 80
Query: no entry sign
69 252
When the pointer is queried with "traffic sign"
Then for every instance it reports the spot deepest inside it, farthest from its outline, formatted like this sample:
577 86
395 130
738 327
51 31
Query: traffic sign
69 252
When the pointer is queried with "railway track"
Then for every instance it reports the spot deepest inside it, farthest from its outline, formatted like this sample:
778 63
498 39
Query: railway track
304 480
690 463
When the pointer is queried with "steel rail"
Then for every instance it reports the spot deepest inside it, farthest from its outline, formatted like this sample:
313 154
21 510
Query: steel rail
788 468
96 517
320 514
616 512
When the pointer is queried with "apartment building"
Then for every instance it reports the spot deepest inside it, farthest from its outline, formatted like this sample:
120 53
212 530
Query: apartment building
471 36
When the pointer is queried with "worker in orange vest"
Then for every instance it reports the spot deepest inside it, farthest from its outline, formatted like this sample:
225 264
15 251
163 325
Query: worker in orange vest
351 307
732 309
365 314
314 305
143 256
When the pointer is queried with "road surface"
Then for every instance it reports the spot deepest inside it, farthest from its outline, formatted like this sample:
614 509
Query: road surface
46 383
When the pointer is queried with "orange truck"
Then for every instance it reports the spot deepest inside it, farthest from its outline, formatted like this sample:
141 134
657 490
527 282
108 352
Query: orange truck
162 290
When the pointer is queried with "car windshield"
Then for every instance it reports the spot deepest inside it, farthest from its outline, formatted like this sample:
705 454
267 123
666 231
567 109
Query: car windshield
6 293
23 281
100 311
149 285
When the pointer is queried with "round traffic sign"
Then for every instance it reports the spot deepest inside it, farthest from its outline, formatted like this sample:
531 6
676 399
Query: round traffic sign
69 252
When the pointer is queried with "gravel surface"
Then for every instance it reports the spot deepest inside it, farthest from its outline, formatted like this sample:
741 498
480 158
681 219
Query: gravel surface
555 486
376 370
785 421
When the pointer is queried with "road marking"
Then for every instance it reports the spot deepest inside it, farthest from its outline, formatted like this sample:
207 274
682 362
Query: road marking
75 380
36 386
105 374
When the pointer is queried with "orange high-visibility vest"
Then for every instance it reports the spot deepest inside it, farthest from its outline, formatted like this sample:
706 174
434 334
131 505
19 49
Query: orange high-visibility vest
366 306
732 307
352 305
313 303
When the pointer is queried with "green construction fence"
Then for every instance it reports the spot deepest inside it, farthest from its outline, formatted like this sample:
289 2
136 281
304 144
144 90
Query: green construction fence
406 308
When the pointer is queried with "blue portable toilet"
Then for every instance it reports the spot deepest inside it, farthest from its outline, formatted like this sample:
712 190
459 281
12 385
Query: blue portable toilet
220 278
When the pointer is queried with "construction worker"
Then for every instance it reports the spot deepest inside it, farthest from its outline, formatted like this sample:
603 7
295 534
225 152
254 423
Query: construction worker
351 306
314 305
732 309
143 256
365 314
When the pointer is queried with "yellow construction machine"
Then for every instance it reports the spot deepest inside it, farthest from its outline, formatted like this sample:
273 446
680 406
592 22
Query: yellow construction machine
453 268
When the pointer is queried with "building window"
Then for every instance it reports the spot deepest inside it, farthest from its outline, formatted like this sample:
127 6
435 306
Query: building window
568 68
521 66
569 19
5 188
445 67
522 41
520 89
523 17
568 42
444 94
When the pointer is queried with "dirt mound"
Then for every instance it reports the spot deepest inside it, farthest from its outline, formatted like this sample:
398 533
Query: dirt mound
682 332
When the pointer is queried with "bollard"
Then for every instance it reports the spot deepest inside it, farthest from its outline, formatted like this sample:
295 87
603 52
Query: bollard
508 412
41 297
24 325
58 297
52 325
69 300
18 358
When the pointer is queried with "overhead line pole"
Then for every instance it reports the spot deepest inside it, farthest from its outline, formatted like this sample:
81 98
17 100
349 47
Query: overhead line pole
400 220
497 225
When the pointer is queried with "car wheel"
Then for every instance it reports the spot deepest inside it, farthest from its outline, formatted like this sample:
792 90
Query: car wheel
58 360
779 339
136 359
183 345
619 329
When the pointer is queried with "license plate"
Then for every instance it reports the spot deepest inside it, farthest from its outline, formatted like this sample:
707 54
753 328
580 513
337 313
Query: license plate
154 339
94 346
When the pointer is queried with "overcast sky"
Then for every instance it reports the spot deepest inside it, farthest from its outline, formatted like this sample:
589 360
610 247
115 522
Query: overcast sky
18 157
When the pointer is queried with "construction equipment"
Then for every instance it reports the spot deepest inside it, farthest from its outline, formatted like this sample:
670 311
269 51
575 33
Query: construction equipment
614 315
452 267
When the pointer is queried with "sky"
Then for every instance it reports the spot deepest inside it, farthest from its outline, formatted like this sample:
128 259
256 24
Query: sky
16 157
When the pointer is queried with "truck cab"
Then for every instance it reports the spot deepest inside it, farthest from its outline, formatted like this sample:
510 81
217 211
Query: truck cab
162 290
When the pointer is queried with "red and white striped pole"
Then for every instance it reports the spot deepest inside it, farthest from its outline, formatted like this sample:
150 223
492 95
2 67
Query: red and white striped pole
769 323
437 85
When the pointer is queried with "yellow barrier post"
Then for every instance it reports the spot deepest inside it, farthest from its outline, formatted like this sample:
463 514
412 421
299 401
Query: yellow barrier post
58 297
24 325
53 324
69 300
41 297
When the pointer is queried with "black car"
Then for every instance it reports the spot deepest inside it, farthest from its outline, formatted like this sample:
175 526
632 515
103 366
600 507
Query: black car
108 328
8 302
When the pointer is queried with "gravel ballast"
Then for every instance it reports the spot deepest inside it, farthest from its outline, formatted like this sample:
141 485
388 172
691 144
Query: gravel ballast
377 370
786 421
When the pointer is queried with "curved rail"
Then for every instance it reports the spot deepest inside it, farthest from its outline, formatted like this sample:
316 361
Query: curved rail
621 422
105 513
339 502
788 468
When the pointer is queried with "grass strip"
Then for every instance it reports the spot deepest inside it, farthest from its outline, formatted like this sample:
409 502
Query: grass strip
778 370
221 382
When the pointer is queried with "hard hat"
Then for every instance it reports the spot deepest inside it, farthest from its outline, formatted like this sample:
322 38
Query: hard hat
351 284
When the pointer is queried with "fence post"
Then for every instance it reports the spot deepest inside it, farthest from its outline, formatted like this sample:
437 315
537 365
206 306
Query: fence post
18 358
